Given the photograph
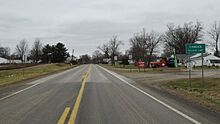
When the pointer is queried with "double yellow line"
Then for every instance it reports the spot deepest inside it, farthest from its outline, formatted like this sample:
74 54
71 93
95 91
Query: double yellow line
77 103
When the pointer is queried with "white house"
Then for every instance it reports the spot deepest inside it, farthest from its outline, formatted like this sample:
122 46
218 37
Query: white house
209 60
3 60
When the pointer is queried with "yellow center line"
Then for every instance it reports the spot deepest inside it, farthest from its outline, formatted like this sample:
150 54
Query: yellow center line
64 115
78 100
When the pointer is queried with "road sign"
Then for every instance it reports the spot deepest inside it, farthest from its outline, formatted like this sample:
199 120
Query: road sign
195 48
189 65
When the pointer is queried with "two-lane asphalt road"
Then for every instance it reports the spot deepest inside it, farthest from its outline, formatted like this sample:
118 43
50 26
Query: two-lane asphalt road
104 98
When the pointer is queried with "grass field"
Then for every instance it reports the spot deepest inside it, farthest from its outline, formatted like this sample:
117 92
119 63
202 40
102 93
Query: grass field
207 94
17 75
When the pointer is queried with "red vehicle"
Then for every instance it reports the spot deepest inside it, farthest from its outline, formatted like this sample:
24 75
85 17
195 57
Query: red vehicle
158 63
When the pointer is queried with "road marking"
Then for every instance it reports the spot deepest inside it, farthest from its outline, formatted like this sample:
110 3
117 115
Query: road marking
78 100
15 93
64 115
164 104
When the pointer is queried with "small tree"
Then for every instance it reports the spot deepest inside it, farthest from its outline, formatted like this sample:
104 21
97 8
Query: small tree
47 55
55 53
60 53
214 33
114 44
36 51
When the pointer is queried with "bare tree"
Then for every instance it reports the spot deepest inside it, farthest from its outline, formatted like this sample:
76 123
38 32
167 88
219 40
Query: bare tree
214 33
139 46
153 39
22 48
97 56
177 37
105 49
36 51
143 45
114 44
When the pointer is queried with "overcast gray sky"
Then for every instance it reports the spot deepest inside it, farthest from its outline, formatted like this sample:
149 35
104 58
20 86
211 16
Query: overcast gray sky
84 24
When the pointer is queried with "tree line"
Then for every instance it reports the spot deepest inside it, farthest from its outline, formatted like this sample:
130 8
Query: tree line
143 45
38 53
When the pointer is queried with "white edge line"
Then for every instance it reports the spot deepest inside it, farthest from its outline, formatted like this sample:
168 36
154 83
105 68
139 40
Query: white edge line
152 97
15 93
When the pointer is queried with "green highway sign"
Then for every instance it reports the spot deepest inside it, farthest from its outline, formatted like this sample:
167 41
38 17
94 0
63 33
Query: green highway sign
195 48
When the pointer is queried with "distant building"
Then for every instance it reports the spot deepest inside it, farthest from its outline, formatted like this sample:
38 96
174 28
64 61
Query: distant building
209 60
17 61
182 58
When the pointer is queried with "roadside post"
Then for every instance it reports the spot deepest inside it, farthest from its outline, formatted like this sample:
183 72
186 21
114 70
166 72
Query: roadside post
115 59
24 59
203 70
189 66
148 61
192 49
130 58
175 59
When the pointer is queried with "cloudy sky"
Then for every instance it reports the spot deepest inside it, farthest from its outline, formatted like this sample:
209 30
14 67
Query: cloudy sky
84 24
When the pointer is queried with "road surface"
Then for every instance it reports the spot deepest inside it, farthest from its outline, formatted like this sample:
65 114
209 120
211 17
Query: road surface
90 94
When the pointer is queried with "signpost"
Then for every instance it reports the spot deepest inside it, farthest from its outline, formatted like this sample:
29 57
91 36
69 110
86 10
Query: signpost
115 59
192 49
24 60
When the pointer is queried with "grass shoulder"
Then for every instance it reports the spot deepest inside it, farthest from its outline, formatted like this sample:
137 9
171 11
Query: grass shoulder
207 94
12 76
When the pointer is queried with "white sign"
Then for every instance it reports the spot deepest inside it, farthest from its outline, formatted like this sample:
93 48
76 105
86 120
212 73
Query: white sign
115 58
189 65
